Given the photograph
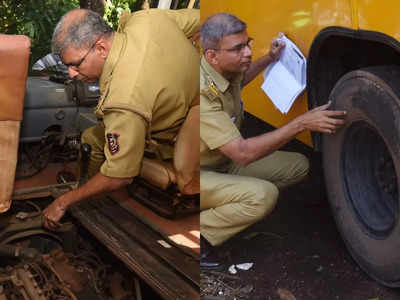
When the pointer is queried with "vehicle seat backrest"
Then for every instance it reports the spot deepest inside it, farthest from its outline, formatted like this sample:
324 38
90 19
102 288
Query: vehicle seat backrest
187 154
185 168
14 57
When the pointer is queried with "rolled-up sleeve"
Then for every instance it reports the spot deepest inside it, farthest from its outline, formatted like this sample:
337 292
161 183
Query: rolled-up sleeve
216 126
125 134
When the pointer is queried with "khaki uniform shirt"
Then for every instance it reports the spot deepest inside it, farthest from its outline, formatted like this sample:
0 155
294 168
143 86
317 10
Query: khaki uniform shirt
148 82
221 115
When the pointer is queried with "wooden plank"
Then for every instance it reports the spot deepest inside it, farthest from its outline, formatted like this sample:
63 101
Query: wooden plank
151 240
183 231
163 278
41 191
47 176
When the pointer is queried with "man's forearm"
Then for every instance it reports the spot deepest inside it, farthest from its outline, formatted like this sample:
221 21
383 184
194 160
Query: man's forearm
95 186
246 151
267 143
318 119
255 68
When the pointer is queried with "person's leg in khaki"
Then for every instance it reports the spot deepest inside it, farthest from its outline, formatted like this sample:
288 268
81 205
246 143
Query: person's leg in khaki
231 203
94 136
281 167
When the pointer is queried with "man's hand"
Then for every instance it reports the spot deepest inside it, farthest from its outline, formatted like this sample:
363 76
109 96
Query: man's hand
322 120
195 39
260 64
276 47
95 186
53 213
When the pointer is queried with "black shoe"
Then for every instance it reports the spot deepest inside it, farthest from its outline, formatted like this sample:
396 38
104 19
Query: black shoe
209 259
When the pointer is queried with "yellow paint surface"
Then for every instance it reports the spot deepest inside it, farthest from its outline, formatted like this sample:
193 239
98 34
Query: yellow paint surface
300 21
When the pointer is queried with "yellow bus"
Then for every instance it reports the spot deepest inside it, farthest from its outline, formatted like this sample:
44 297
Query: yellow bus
353 58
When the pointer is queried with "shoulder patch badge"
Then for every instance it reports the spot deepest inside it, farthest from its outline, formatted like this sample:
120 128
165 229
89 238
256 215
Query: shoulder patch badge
113 143
210 94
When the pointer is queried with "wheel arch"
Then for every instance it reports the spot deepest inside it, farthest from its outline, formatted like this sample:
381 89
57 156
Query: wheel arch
336 51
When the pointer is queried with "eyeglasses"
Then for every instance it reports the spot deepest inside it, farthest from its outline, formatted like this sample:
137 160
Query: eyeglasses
240 47
78 64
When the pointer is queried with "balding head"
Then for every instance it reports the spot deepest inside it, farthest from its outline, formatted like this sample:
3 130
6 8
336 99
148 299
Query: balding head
217 26
78 28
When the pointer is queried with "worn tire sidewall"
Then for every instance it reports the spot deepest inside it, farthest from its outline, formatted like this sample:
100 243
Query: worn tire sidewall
368 98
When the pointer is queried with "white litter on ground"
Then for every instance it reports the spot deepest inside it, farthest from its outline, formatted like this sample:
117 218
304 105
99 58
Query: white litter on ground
232 269
245 266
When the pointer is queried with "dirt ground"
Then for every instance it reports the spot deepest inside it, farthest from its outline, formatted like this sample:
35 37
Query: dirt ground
297 254
298 249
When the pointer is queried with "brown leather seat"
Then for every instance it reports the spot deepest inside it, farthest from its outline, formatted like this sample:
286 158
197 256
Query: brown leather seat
185 168
14 58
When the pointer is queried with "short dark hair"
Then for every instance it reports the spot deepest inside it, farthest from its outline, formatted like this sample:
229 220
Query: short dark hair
83 31
217 26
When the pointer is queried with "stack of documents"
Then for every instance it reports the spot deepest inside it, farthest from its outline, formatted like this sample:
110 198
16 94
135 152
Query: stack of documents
285 79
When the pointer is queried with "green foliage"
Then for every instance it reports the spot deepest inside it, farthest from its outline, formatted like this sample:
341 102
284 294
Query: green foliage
182 4
10 16
34 18
114 8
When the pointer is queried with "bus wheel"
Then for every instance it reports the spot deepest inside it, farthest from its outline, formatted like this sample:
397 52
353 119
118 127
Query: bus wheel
362 169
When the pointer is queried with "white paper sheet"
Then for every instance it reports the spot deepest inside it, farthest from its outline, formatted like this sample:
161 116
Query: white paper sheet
285 79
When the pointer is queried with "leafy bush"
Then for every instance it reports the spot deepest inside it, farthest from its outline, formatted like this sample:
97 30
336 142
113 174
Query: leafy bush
34 18
114 8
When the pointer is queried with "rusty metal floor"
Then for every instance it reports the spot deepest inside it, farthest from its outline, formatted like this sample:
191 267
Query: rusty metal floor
167 267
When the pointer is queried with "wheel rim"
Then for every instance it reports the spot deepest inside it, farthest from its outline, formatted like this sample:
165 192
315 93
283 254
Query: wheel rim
370 179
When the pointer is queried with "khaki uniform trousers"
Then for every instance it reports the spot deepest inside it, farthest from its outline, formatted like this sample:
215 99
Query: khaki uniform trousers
95 137
231 202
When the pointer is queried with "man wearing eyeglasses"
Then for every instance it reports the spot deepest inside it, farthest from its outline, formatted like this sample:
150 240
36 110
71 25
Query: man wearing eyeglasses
148 73
240 178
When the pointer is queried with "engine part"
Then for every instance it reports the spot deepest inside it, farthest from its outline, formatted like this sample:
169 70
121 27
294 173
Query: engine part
58 262
85 150
17 251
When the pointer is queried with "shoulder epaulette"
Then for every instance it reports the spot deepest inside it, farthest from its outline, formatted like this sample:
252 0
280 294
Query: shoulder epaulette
123 19
211 92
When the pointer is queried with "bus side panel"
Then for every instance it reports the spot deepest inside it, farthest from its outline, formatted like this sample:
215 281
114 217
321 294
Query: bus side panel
379 16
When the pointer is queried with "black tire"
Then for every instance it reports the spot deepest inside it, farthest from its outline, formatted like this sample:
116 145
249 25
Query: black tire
362 166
